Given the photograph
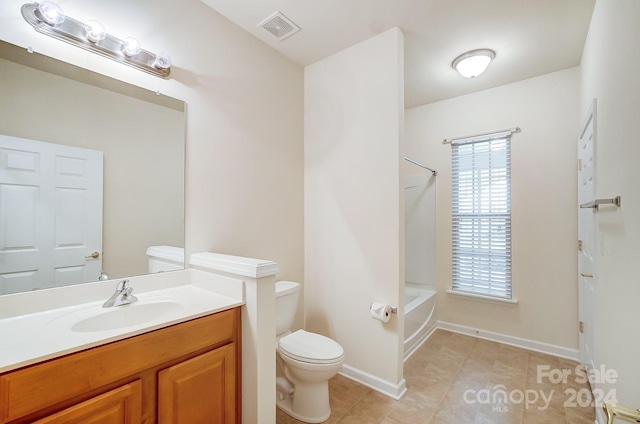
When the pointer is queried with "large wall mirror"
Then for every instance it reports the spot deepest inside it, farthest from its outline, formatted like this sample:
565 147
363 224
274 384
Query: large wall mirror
91 173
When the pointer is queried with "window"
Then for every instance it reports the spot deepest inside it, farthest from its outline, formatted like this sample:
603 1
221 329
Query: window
481 206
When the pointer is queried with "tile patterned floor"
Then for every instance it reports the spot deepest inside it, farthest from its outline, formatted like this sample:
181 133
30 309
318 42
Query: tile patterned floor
454 379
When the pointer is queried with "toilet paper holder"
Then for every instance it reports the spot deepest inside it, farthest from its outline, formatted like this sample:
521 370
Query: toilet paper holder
382 312
394 309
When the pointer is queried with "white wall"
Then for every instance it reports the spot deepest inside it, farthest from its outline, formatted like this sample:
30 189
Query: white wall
353 124
420 228
543 201
244 166
610 73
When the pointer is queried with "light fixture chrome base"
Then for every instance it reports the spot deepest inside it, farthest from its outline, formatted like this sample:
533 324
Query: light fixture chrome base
73 32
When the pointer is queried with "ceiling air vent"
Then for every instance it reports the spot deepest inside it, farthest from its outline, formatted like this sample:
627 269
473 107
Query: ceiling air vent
279 26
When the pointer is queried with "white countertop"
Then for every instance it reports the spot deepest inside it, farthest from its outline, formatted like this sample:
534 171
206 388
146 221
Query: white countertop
53 324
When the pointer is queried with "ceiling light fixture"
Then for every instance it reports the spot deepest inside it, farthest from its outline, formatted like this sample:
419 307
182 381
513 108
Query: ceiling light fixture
473 63
48 18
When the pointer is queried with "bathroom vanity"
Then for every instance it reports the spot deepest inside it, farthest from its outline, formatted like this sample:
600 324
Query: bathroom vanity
177 363
186 373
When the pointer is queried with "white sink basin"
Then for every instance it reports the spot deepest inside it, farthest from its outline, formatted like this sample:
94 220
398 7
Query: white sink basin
126 316
96 318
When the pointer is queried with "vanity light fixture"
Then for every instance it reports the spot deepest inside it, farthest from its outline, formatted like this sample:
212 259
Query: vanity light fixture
163 61
49 18
51 13
95 31
131 46
473 63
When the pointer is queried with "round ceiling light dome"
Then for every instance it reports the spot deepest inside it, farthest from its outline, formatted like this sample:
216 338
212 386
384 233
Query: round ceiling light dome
473 63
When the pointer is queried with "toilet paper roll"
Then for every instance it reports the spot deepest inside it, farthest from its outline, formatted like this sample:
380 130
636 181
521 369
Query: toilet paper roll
381 312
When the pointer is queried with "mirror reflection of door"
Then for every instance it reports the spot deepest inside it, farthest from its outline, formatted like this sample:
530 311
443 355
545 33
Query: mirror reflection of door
50 214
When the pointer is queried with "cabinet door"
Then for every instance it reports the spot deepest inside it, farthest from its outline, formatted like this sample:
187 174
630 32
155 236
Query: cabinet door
119 406
201 390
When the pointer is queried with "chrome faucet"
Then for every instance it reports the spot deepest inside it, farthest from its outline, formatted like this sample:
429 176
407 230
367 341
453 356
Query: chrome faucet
122 296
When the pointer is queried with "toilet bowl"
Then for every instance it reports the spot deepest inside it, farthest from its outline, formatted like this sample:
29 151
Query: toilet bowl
305 362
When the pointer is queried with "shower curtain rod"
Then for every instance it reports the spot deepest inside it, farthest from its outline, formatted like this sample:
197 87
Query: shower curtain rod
499 132
433 171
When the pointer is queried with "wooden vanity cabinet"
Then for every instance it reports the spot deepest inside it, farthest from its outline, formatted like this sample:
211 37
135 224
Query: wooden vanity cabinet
185 373
121 405
192 391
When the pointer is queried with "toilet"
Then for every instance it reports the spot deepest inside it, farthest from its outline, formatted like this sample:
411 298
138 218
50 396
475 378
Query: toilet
304 362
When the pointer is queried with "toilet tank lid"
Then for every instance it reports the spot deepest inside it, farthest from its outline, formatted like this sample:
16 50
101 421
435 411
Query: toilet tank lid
310 347
286 287
171 253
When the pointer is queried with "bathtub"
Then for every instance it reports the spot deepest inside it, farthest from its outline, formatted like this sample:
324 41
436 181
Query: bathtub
419 316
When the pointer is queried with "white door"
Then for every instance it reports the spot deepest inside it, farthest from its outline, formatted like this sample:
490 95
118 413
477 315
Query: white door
50 214
587 236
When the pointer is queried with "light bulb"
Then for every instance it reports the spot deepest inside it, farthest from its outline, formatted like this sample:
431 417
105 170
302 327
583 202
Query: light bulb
163 61
51 13
131 46
95 31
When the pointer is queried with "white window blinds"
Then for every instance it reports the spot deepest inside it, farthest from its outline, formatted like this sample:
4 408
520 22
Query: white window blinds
481 206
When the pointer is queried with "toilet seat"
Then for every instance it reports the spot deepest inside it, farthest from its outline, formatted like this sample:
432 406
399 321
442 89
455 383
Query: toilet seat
309 347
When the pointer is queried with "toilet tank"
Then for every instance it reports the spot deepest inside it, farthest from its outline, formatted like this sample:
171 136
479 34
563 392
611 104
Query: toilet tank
165 258
287 293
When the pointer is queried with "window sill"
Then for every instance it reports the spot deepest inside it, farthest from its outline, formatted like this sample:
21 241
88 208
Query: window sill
483 298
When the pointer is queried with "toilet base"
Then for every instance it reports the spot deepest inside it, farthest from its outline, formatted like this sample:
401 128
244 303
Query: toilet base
286 405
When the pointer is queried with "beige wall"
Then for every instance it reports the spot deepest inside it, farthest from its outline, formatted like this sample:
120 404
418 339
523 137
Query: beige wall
143 146
244 188
543 201
353 124
610 73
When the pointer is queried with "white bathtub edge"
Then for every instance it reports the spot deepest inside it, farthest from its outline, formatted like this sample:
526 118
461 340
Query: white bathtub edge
550 349
422 296
420 317
394 391
419 343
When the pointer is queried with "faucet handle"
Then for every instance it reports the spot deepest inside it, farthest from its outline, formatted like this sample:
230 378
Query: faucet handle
122 285
127 293
122 296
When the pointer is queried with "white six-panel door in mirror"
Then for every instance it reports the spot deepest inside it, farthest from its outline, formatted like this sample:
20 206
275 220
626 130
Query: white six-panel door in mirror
50 214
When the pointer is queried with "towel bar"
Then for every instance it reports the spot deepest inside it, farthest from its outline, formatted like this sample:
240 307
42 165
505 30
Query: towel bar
594 204
614 411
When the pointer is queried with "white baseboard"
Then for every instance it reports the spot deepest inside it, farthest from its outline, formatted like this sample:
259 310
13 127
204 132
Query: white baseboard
394 391
555 350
